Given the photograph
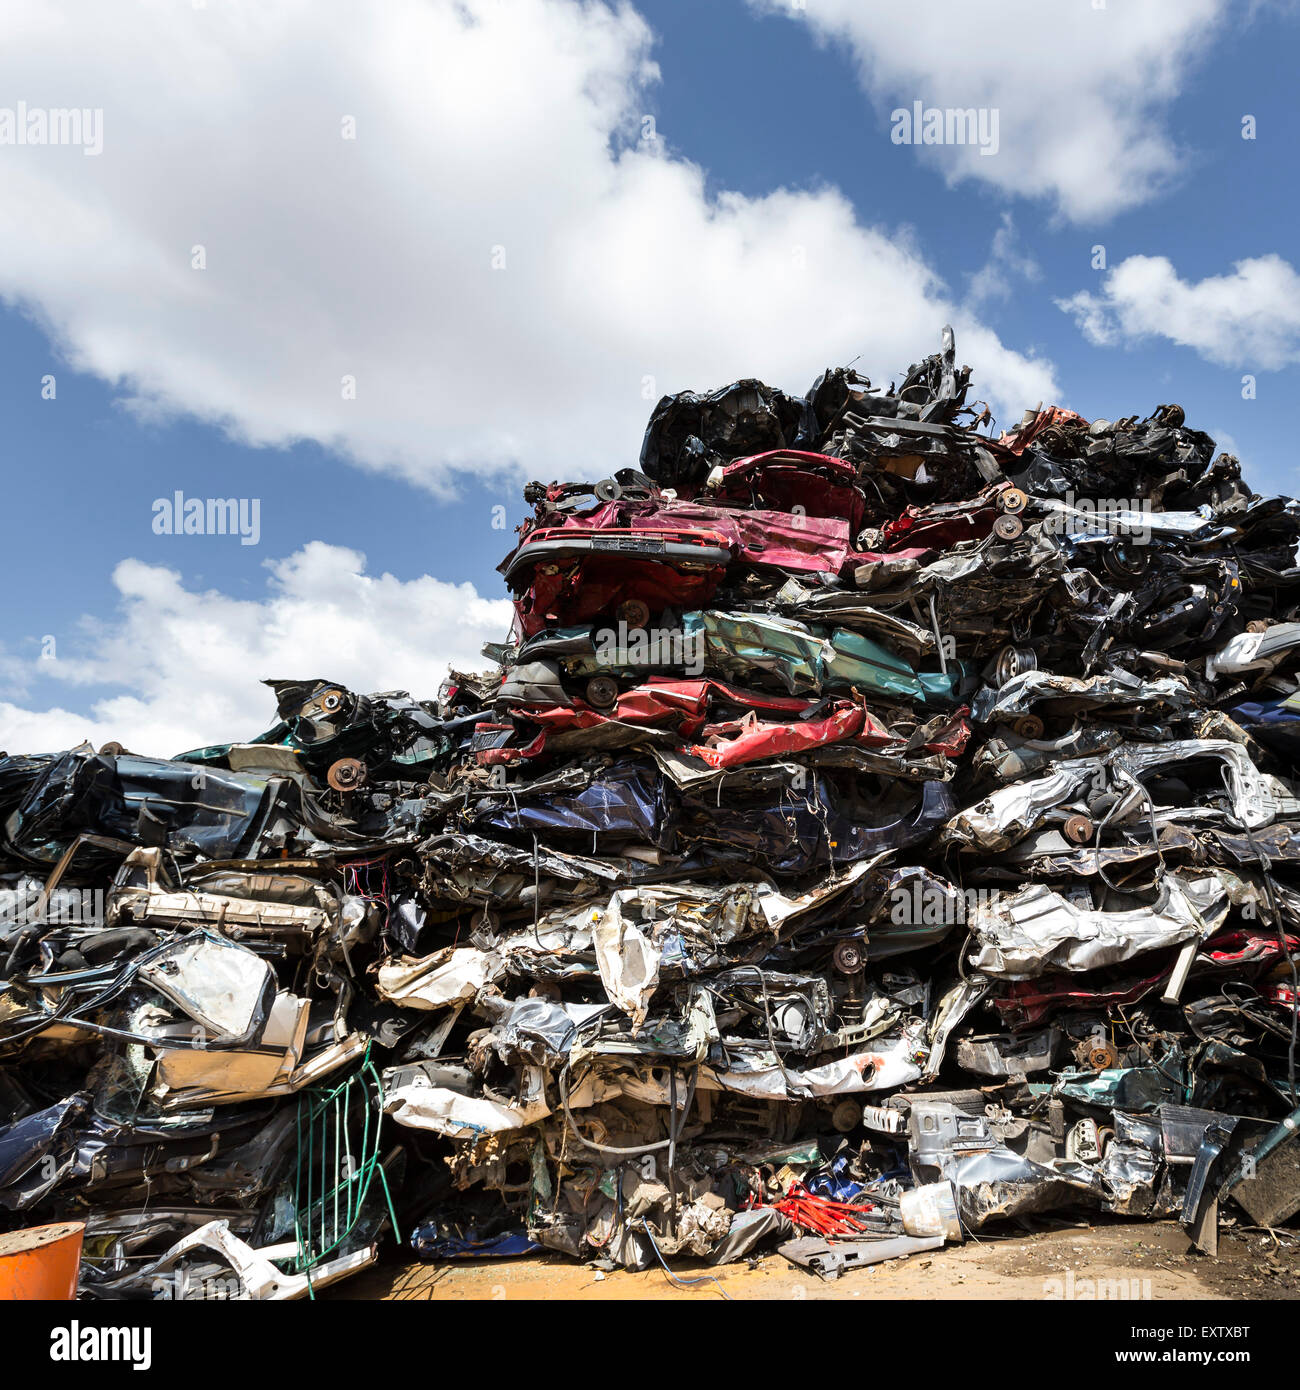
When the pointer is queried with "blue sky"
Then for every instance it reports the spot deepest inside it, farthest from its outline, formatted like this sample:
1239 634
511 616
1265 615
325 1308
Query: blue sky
633 268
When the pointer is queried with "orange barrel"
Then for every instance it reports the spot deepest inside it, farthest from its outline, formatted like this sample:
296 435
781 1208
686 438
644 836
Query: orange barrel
41 1262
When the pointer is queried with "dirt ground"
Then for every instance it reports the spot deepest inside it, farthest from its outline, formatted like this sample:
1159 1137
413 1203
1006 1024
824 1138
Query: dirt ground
1140 1260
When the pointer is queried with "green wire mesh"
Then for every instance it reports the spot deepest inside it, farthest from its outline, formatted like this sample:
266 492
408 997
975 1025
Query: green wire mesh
338 1160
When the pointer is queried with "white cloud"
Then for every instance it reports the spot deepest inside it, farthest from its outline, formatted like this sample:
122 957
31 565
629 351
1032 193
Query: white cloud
479 125
1081 92
187 664
1224 443
1250 318
1006 262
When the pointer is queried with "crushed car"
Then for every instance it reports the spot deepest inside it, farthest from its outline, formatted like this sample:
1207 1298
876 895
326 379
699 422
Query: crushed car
874 828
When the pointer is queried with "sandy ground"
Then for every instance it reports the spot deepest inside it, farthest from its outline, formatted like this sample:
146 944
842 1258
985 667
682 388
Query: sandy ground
1143 1260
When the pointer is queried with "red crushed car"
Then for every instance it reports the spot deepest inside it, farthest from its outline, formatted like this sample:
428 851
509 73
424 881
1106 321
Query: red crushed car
572 574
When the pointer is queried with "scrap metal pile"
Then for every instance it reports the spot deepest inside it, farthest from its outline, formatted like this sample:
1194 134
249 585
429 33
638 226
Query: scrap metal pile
873 829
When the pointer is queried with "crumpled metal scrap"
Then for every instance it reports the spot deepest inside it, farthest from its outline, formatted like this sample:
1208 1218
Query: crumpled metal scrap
873 827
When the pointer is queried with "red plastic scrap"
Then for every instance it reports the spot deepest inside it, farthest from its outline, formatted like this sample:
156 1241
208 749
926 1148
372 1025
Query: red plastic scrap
660 700
584 589
951 739
820 485
915 528
1018 440
759 740
823 1215
798 541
